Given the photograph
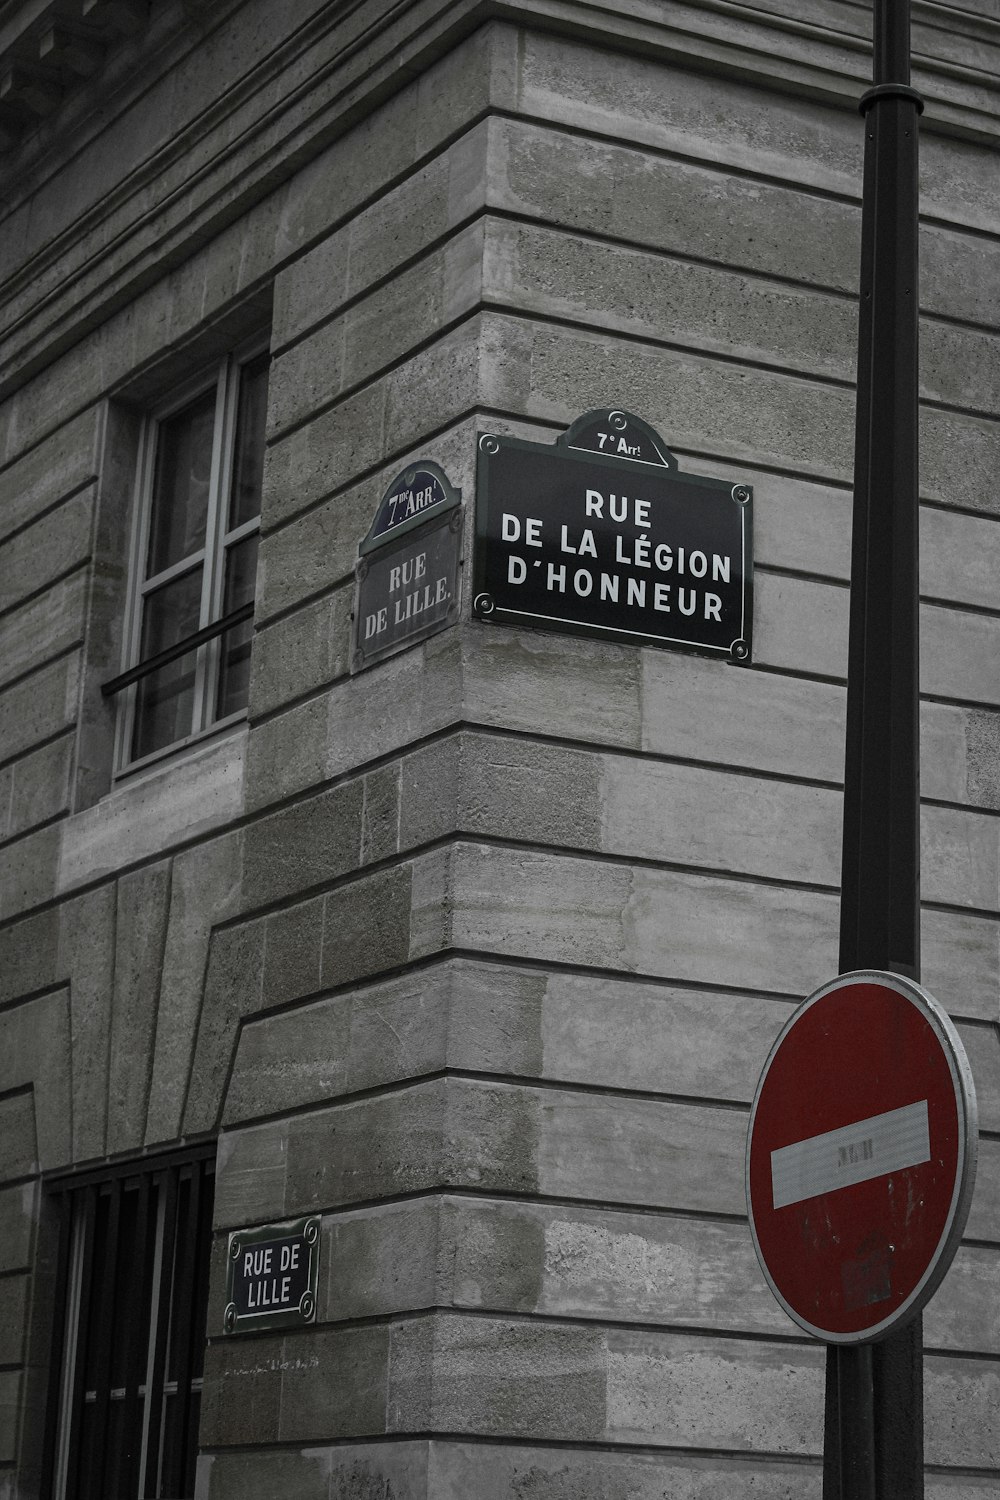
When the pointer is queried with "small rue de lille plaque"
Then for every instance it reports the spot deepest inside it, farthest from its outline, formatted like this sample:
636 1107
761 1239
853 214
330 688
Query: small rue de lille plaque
408 574
271 1275
600 534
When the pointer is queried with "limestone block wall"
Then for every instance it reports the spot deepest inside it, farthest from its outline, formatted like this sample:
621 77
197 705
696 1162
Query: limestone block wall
477 954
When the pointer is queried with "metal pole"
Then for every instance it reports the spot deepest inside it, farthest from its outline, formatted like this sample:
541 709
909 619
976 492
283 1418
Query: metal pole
874 1395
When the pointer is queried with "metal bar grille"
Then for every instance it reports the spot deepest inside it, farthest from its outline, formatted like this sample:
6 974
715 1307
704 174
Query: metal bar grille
129 1331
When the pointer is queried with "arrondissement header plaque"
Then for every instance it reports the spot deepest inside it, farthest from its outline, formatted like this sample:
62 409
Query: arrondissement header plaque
600 534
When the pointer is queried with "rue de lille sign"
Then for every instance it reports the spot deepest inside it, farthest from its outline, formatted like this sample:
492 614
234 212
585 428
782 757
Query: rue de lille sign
600 534
271 1276
408 570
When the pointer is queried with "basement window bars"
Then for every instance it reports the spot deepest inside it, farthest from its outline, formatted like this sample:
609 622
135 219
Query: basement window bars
129 1330
194 564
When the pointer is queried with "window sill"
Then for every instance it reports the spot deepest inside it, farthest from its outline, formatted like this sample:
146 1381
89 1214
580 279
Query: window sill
155 808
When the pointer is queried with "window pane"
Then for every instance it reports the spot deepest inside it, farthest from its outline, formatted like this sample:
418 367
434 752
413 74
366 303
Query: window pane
248 460
181 484
234 659
165 699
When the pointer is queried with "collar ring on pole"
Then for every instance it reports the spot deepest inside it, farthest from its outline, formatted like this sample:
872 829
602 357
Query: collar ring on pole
890 91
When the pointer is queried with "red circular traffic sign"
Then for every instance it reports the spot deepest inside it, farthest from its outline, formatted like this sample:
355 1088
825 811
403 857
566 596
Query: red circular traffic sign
861 1156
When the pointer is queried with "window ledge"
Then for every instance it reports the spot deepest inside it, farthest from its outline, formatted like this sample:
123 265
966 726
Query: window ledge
155 810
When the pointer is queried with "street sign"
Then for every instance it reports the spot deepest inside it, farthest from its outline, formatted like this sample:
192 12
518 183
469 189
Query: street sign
271 1276
408 573
601 534
861 1156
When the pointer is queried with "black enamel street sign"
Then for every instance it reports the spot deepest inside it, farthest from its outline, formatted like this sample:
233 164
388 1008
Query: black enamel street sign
600 534
271 1276
409 568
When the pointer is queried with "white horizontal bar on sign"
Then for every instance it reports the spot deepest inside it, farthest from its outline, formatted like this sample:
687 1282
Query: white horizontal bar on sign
853 1153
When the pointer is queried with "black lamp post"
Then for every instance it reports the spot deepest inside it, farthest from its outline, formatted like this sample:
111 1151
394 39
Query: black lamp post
874 1393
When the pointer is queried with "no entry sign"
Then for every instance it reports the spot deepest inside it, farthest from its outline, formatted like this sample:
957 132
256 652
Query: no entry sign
861 1156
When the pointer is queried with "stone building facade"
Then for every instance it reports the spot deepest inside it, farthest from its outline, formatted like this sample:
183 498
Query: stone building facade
474 955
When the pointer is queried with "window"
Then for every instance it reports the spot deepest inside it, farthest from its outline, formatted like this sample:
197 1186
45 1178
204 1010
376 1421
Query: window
194 563
132 1292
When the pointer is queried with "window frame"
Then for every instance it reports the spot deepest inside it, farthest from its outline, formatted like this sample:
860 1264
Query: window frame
175 1291
224 375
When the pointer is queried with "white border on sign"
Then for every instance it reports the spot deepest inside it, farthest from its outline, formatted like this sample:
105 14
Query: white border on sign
968 1151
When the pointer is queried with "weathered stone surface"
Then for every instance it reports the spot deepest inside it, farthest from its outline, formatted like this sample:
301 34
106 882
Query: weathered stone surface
308 844
398 316
640 920
349 1471
39 706
316 1385
57 467
490 1377
982 1044
545 684
140 933
963 1314
10 1403
43 552
566 1262
641 1151
960 957
86 954
984 1215
503 1472
13 1316
380 814
687 207
28 871
943 433
960 655
232 990
18 1148
28 958
366 927
37 1056
18 1210
382 1260
362 718
960 858
301 652
48 625
250 1175
287 1476
689 1391
315 550
429 202
434 1134
704 307
982 738
333 1382
290 1060
708 307
732 124
961 1397
567 1027
205 890
326 453
168 805
699 709
6 810
40 786
293 940
390 415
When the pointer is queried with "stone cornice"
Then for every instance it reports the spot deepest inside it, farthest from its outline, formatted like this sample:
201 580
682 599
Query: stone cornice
343 59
